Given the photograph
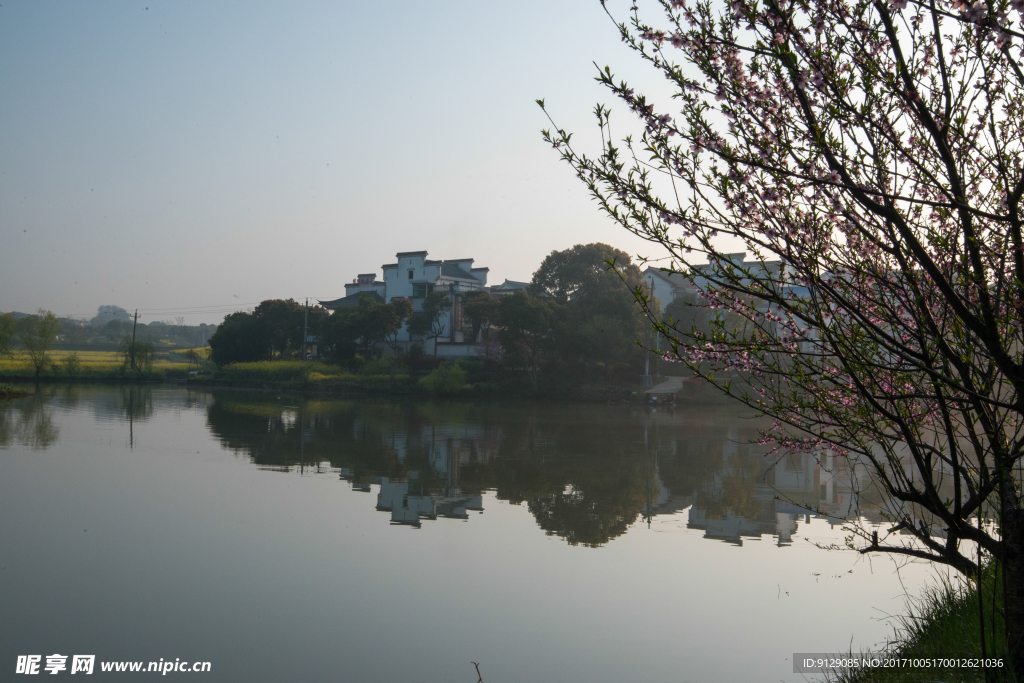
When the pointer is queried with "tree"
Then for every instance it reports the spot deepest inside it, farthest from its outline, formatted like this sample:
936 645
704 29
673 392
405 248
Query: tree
584 275
596 283
687 313
868 156
480 310
281 320
240 338
373 322
365 326
429 321
38 334
306 320
339 334
8 332
136 354
392 319
71 364
531 327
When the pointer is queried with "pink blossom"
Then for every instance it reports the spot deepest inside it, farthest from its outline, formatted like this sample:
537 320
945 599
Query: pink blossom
977 12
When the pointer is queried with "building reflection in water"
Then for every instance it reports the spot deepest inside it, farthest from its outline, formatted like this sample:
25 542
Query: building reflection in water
585 472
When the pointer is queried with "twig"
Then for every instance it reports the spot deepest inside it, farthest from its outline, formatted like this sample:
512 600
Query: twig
479 676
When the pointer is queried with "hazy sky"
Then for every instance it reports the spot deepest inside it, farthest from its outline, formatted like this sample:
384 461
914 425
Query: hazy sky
169 156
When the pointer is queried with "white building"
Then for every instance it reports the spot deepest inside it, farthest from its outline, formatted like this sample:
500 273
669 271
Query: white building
413 276
667 286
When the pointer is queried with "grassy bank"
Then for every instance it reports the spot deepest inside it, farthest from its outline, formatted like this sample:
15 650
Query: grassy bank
946 623
373 377
468 378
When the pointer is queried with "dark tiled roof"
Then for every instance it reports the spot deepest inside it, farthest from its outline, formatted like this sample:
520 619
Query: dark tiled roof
677 279
351 300
452 270
511 285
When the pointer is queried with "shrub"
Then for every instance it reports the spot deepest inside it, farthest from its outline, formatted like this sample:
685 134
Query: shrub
449 378
71 364
277 371
474 368
384 366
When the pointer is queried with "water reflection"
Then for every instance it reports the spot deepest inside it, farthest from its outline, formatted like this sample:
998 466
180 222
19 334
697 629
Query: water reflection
586 473
231 557
28 422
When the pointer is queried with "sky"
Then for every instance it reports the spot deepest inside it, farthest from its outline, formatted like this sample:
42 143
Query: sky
195 158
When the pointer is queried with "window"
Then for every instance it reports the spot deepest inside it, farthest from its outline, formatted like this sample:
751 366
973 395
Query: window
410 274
421 291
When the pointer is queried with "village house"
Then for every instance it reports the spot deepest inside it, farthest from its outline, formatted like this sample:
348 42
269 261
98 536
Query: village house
667 286
414 276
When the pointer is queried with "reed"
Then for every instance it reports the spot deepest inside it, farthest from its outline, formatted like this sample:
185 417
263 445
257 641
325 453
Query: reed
945 622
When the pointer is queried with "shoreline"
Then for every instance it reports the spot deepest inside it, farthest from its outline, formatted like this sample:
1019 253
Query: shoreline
372 386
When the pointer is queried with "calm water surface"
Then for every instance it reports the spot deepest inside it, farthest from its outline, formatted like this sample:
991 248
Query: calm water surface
286 539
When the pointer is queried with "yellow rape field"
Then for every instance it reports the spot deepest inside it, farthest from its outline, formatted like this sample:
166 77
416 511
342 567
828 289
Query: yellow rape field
91 364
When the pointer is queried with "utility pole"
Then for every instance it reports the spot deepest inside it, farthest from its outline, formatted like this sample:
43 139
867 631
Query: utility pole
645 379
305 327
132 350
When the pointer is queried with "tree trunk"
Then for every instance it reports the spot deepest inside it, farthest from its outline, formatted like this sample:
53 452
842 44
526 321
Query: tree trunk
1013 566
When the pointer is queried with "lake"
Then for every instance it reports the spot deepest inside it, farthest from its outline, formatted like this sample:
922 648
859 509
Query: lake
286 538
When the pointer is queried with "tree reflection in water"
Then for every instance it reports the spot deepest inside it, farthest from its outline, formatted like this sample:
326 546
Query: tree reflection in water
28 421
585 472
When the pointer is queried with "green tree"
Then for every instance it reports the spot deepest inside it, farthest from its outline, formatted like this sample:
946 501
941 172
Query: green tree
584 273
136 354
480 310
38 334
8 332
686 313
281 320
373 323
531 328
339 333
310 320
392 319
598 284
365 327
239 339
429 321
